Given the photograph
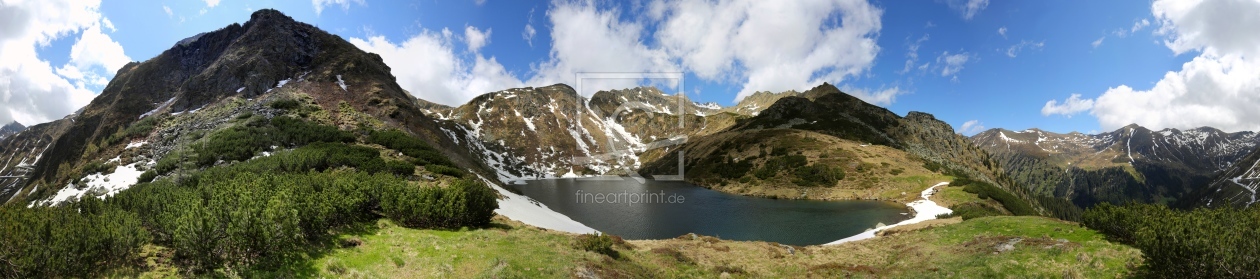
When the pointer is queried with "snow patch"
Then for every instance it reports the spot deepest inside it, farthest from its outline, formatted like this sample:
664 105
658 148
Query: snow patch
925 209
159 107
528 211
135 144
106 185
341 83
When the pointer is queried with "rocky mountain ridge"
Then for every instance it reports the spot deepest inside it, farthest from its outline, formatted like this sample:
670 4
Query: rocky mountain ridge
201 84
1132 163
11 129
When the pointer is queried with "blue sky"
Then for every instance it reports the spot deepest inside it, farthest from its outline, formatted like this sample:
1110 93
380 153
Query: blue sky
975 64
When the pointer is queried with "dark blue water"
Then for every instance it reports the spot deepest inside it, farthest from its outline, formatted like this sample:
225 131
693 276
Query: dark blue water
677 208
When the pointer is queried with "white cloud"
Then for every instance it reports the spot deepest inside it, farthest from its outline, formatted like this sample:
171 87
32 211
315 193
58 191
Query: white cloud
968 8
1219 88
212 3
529 32
475 38
912 54
951 64
1138 25
431 70
766 46
1073 105
479 2
168 11
1216 28
1015 49
1002 31
1098 42
971 127
882 97
321 4
770 45
33 91
586 39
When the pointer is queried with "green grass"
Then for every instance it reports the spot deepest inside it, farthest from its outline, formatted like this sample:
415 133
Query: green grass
1087 253
504 250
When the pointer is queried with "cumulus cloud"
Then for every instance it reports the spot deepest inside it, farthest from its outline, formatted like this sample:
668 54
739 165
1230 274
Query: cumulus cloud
434 72
1069 107
475 38
1098 42
321 4
881 97
1002 31
967 8
168 11
971 127
585 39
763 45
212 3
1015 49
770 45
1220 87
31 89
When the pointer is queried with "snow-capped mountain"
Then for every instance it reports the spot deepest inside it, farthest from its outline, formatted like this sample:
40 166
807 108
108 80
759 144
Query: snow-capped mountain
11 129
1130 163
551 131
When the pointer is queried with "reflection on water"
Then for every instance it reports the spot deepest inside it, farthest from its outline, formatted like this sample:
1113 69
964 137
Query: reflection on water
666 209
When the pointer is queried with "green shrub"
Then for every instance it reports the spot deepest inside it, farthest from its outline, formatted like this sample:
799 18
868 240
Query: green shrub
445 170
242 142
817 175
423 154
147 176
1202 243
78 239
985 190
596 242
969 211
286 104
464 203
734 170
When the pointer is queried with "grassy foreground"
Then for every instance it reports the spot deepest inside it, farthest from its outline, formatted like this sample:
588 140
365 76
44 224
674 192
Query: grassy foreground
1039 247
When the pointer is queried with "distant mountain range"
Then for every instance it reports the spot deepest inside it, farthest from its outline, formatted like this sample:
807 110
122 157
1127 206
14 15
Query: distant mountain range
1132 163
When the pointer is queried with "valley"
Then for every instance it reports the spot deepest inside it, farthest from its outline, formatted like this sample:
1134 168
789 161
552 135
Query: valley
274 148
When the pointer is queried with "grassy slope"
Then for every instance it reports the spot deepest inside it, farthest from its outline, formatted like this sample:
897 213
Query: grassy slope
512 250
871 171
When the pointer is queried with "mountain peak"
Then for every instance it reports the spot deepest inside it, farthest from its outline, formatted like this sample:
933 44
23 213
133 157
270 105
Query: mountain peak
15 126
270 16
